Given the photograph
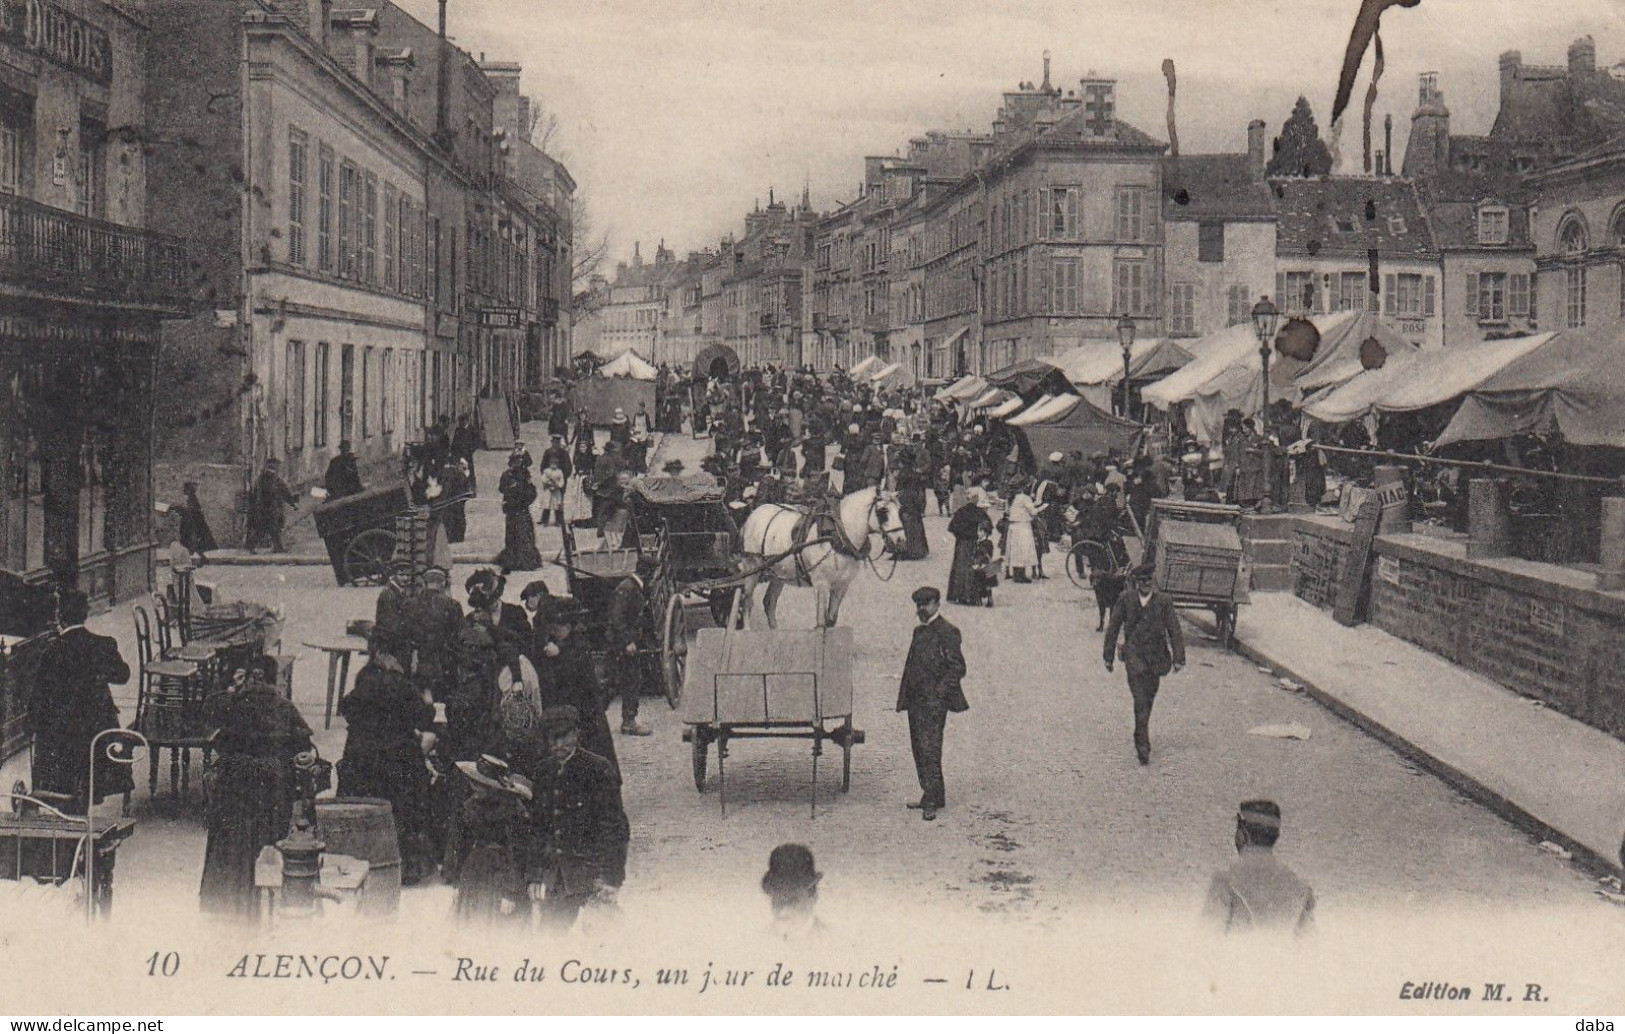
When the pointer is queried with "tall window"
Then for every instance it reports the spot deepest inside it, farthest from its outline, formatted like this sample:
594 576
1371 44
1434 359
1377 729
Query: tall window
1574 244
349 221
1128 287
1351 292
1182 309
1064 283
12 136
1296 292
391 224
1518 295
324 211
298 158
369 231
1488 297
434 257
91 200
386 384
293 397
1210 243
319 397
347 392
1130 213
1238 308
1060 215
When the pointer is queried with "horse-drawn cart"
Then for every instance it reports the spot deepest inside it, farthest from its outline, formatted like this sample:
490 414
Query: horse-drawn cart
1200 561
770 684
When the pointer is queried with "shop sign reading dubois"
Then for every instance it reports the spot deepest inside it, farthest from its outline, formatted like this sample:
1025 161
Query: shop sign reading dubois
67 39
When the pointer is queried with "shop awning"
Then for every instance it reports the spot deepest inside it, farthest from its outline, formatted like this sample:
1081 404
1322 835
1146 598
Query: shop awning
993 397
1574 382
1007 407
952 391
1421 379
1029 376
972 387
863 367
890 370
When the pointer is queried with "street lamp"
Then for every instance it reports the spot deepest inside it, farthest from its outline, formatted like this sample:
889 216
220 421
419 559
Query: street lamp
1125 335
1265 319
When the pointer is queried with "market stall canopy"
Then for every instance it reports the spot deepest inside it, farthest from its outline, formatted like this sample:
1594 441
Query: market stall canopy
1045 409
1030 378
1343 338
629 364
1101 361
965 384
1042 400
863 368
1574 382
1007 407
972 387
1082 427
1421 379
890 371
591 356
717 361
1231 347
994 397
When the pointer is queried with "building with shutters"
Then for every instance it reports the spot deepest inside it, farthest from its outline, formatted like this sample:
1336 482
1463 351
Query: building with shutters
1219 223
1578 232
84 283
1358 243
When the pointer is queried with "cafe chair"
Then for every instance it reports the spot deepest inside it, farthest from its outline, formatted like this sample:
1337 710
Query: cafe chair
168 709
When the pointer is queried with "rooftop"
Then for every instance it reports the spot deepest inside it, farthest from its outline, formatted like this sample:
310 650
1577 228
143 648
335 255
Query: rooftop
1348 216
1214 186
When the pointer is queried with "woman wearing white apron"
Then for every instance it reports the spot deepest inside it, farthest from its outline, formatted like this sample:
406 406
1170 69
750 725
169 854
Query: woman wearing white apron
1022 550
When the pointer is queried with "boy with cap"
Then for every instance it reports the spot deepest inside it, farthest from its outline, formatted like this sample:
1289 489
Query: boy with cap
628 633
930 688
1153 646
1258 892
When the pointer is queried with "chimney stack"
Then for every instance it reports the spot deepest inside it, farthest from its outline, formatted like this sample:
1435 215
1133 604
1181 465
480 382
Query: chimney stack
1388 144
442 86
1583 56
1256 159
1511 66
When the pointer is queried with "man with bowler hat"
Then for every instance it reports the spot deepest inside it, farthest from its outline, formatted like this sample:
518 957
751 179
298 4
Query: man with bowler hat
930 689
791 886
1153 646
1257 892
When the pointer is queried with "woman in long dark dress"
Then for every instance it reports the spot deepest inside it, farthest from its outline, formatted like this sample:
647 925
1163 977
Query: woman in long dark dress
911 506
966 526
487 846
261 739
386 717
195 533
454 483
519 542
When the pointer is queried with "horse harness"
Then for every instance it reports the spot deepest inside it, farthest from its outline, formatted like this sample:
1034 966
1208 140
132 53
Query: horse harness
812 527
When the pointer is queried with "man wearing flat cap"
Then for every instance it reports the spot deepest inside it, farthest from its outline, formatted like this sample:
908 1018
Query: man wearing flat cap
628 634
564 665
1153 646
581 832
1258 892
930 688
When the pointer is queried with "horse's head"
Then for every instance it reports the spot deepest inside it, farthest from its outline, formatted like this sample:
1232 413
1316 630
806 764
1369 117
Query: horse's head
886 518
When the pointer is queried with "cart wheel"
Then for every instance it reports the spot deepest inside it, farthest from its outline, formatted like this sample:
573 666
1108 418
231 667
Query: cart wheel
846 755
1225 616
1086 558
702 747
674 649
367 558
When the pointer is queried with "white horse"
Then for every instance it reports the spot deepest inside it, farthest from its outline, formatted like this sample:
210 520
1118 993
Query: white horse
815 550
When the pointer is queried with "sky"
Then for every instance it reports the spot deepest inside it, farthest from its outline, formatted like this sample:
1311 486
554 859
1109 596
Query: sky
677 116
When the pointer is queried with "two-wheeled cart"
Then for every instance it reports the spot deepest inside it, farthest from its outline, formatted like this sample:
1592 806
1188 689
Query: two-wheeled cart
1200 560
367 534
769 684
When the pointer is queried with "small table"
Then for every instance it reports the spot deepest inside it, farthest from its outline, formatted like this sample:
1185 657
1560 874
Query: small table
338 650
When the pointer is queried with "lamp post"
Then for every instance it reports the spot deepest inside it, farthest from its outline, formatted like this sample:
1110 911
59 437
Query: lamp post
1125 336
1265 319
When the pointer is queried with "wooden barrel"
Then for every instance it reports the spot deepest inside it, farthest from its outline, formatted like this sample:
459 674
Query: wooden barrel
364 828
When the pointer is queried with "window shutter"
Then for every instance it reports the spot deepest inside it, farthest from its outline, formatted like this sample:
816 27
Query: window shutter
1334 292
1389 283
1281 301
1073 230
1428 308
1472 294
1046 304
1520 294
1043 213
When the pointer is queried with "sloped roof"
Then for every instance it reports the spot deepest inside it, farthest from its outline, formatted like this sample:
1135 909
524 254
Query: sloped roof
1558 105
1455 225
1214 186
1073 129
1328 217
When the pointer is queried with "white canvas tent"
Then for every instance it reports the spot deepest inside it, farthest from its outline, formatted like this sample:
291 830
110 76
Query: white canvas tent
889 372
1045 410
1420 380
1007 407
952 392
628 364
864 367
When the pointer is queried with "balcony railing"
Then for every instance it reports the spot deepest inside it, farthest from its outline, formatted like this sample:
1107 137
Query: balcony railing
47 249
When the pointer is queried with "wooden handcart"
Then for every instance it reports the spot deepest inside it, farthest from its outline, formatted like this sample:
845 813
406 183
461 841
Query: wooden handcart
1200 560
369 533
769 684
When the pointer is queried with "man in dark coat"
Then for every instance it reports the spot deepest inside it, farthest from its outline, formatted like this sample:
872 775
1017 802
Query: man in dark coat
195 533
433 621
71 704
564 664
266 518
556 455
627 634
465 442
1153 646
930 688
581 831
343 476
